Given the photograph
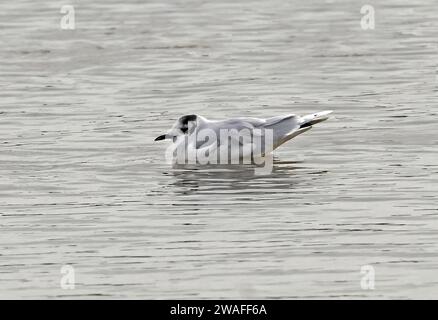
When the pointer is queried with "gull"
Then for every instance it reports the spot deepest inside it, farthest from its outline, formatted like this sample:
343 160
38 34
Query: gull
252 135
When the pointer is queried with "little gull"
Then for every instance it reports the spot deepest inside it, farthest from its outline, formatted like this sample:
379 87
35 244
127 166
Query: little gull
282 129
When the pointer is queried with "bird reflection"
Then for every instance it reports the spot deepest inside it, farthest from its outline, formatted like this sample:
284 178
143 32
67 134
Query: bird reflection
235 179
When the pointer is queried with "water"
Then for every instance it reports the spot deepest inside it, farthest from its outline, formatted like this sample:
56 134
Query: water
83 183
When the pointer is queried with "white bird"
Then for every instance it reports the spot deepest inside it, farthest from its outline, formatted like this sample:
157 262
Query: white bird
199 136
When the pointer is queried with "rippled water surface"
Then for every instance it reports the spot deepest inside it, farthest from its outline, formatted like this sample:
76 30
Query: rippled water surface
83 184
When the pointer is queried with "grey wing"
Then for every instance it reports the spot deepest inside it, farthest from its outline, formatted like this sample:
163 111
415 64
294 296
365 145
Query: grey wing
240 123
284 128
238 129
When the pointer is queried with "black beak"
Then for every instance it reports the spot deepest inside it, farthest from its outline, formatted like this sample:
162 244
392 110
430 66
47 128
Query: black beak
162 137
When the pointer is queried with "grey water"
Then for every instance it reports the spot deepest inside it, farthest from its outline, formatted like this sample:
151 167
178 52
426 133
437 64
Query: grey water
83 184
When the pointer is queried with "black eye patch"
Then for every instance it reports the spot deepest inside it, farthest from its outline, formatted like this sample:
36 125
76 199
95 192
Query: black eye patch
184 129
185 119
190 117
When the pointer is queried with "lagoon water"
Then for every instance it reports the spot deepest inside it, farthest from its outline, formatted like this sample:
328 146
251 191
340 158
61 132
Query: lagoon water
82 183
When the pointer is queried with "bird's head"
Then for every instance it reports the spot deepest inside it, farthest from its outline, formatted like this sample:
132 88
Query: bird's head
182 126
